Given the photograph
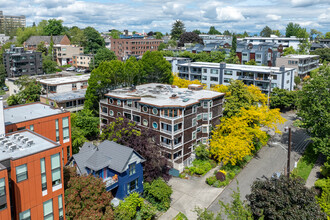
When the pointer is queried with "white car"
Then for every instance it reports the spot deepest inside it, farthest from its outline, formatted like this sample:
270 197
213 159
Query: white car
70 68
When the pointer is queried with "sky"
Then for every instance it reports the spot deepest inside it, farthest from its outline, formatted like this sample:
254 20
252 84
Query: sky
159 15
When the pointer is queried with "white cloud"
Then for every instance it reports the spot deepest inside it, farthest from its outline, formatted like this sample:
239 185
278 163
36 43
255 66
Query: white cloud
273 17
172 8
301 3
229 14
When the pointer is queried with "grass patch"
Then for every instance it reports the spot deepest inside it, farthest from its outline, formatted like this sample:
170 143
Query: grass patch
201 167
180 216
2 92
306 163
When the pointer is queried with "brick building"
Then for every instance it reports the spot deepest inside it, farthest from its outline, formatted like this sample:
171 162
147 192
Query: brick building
181 117
127 46
31 172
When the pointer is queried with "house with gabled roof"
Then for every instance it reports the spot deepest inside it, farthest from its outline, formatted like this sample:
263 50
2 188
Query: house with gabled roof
32 42
120 167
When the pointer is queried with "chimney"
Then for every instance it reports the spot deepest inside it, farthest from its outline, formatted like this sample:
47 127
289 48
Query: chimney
282 68
2 118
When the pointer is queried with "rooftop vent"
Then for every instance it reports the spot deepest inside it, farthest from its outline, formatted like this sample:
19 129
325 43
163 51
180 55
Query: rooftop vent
174 96
185 100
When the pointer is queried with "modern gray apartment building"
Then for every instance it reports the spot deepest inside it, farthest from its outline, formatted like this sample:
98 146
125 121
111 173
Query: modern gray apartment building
19 62
213 74
9 23
286 42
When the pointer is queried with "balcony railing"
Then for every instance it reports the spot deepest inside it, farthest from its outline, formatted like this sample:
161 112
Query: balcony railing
110 181
169 117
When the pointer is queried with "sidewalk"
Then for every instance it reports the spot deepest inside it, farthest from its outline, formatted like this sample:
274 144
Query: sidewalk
315 173
191 193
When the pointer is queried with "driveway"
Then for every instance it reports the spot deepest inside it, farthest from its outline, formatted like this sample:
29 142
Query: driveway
270 159
191 193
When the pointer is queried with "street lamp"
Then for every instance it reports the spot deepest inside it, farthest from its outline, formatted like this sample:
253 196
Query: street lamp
270 85
289 150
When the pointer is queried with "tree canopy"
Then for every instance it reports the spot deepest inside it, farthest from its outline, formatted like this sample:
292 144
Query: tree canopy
283 198
283 99
94 40
213 31
292 29
189 37
178 28
103 54
266 32
184 83
54 27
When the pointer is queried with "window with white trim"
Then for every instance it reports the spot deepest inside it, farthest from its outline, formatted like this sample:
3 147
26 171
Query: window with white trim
193 135
205 116
205 104
57 130
60 207
26 215
118 102
132 186
194 109
48 210
65 122
21 173
111 113
56 169
199 117
132 169
43 174
204 129
194 122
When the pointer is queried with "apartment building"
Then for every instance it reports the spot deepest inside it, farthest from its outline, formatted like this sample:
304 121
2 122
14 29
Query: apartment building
286 42
302 63
180 117
213 74
135 45
18 62
63 53
64 84
209 38
264 54
44 120
9 23
174 61
72 101
82 61
31 172
32 42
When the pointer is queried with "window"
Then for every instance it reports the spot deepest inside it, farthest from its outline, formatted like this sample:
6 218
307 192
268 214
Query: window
193 135
110 101
214 79
43 174
228 72
204 77
194 109
205 116
129 103
194 122
105 110
56 169
3 202
210 115
118 102
137 119
204 129
154 111
32 127
145 122
132 169
60 207
145 108
48 210
275 77
204 140
205 104
287 82
132 186
199 129
74 85
111 113
118 114
155 125
26 215
21 173
214 71
65 122
199 117
226 80
165 140
166 127
177 154
104 121
177 127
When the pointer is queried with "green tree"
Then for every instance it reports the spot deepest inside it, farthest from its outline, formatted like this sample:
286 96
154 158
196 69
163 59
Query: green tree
87 198
202 153
324 199
315 34
297 80
3 75
292 29
162 46
324 54
24 33
289 50
178 28
313 108
196 31
134 207
276 32
77 36
87 122
94 40
48 65
283 99
234 44
103 54
54 27
327 35
132 72
156 68
213 31
42 48
189 37
305 45
158 193
115 34
283 198
226 32
251 62
158 35
266 32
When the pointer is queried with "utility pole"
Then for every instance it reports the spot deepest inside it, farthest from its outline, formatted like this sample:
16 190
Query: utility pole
289 153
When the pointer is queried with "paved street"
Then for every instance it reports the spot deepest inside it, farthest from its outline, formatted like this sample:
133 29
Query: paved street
270 159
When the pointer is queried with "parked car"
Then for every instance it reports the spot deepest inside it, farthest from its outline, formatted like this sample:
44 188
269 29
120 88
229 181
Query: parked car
77 70
5 88
82 71
70 68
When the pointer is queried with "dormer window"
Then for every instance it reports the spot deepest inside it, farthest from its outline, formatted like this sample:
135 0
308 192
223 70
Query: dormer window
132 169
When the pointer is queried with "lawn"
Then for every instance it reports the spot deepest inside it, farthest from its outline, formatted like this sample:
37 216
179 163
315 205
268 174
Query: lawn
306 163
2 92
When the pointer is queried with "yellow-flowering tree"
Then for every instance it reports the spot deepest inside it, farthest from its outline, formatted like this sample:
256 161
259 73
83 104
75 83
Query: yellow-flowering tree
235 137
184 83
220 88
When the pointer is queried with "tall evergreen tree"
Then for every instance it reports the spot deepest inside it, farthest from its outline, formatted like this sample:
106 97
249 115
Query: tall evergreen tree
178 28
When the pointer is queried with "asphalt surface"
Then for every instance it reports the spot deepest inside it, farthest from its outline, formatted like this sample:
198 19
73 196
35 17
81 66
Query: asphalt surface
269 160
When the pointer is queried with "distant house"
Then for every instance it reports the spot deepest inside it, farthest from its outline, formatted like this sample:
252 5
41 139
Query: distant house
119 166
33 41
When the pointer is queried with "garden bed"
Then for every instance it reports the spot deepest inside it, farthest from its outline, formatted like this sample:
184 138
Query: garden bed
306 163
199 168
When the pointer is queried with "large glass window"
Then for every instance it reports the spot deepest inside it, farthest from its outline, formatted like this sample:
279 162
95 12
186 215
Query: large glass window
21 173
56 169
26 215
57 130
132 169
60 206
65 122
43 174
48 210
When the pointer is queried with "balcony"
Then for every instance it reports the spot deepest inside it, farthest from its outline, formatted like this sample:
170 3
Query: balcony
110 181
169 117
132 108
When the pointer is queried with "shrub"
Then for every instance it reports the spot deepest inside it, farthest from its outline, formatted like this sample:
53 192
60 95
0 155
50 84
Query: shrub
324 199
325 169
202 152
58 70
213 163
66 66
200 167
231 175
180 216
158 193
320 183
211 180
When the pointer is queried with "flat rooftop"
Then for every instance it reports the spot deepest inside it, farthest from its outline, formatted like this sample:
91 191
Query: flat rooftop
176 58
22 144
297 56
65 80
28 112
264 69
66 96
161 95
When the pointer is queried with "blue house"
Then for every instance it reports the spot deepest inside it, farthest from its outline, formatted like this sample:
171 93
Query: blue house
119 166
